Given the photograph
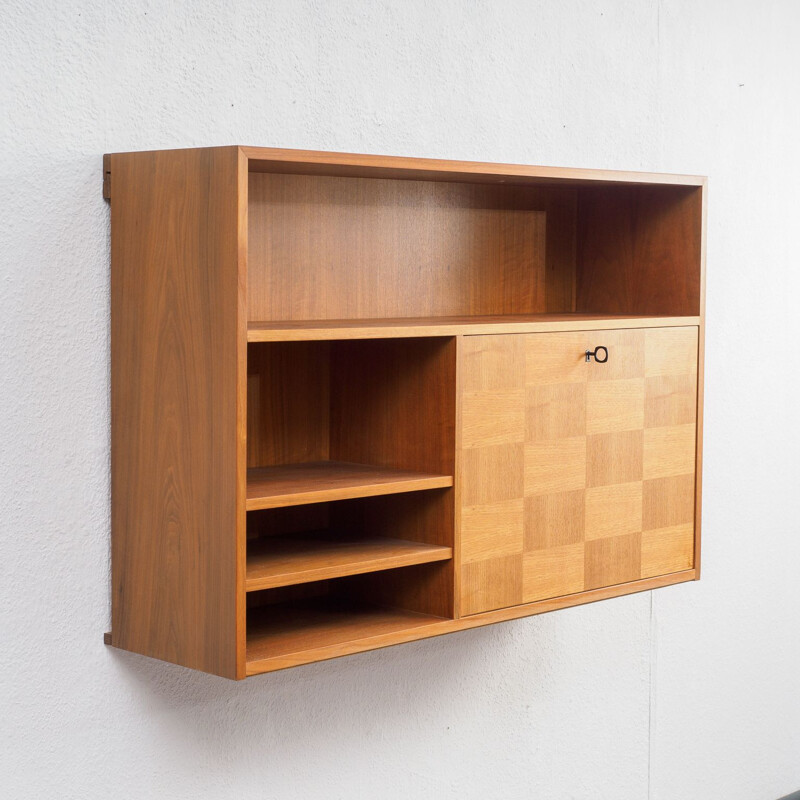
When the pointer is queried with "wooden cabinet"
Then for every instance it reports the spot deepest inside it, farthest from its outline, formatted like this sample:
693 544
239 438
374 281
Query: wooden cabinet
592 464
352 406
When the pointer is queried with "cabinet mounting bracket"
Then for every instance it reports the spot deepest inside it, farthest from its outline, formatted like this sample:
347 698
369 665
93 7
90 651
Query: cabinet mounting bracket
106 177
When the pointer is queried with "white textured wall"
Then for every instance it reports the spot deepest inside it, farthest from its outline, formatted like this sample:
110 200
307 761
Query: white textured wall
691 692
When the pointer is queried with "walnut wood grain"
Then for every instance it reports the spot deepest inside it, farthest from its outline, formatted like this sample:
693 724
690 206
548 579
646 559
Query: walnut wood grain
177 440
639 250
323 481
350 248
288 401
283 561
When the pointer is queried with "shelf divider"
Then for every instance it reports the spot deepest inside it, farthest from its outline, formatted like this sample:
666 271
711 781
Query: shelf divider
322 481
411 327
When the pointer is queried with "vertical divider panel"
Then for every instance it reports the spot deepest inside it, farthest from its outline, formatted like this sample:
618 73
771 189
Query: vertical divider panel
242 223
457 470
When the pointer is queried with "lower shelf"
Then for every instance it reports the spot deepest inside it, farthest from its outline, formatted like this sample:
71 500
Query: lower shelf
288 634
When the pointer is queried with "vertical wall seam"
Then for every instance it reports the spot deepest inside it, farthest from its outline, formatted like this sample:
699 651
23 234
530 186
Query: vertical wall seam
651 696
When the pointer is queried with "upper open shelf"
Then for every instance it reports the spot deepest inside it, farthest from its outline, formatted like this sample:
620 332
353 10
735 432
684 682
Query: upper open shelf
407 247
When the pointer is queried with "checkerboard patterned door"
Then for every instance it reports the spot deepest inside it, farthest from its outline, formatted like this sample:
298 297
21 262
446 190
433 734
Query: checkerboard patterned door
575 475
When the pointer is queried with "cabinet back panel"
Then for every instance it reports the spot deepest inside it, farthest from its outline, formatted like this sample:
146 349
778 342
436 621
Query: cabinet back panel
424 589
639 250
290 594
288 392
283 521
360 248
393 403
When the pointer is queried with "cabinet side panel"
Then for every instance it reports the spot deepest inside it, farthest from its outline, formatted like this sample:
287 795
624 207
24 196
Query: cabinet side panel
176 450
698 507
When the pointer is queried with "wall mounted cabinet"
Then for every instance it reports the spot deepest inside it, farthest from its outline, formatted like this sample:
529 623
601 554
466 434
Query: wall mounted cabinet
361 400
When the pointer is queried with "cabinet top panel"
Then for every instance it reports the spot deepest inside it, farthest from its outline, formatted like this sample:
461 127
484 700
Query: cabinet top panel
318 162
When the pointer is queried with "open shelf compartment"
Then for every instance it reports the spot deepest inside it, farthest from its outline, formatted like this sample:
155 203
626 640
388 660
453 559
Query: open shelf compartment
326 618
351 463
359 246
332 420
288 634
302 544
